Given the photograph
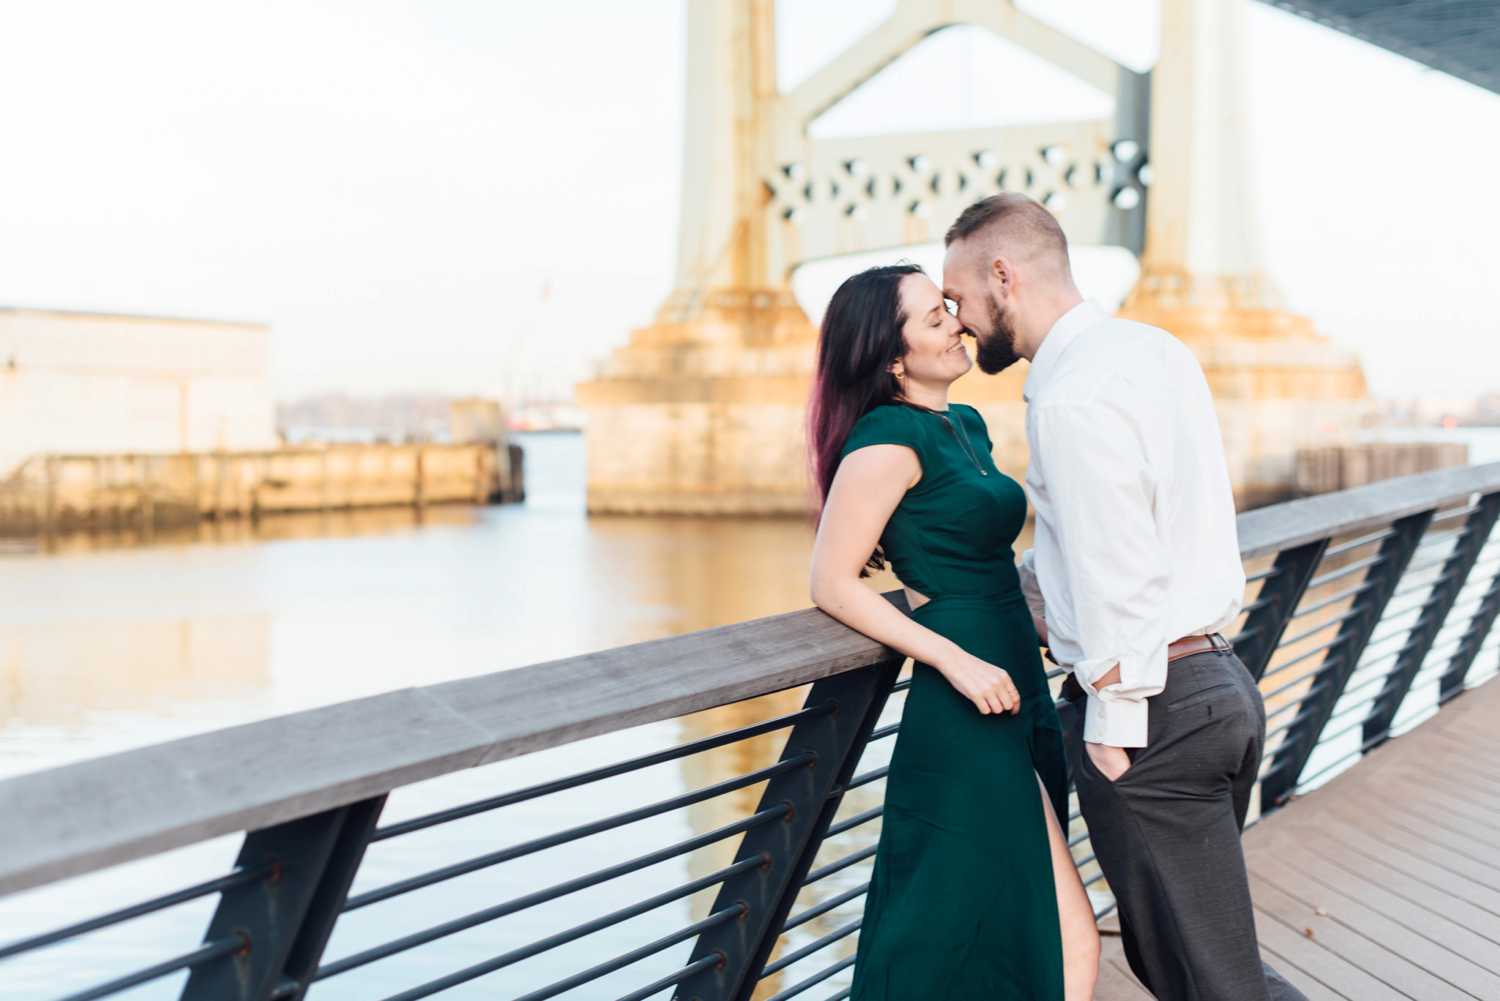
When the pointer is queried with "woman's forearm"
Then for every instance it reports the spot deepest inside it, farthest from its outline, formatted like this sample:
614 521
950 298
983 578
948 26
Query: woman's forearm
866 611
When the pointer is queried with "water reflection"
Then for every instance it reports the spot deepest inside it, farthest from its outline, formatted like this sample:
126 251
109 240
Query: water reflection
106 645
333 524
53 674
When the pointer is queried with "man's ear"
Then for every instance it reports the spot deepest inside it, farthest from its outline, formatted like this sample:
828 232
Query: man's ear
1002 272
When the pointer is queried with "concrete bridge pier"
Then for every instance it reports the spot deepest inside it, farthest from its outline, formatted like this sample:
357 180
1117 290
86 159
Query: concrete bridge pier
702 411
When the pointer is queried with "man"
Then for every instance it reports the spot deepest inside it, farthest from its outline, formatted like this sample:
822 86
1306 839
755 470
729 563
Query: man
1135 570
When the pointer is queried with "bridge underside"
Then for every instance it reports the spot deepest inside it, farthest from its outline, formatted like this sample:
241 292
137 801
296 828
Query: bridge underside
1459 37
1382 884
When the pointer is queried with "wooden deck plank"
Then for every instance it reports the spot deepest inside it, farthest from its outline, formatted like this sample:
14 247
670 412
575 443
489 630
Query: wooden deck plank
1370 892
1477 834
1445 959
1484 782
1411 819
1458 806
1453 747
1413 892
1318 961
1393 969
1314 990
1116 982
1465 786
1384 883
1457 746
1435 846
1338 837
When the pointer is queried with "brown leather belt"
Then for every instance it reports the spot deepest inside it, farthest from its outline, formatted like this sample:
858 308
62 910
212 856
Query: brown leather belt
1185 647
1178 649
1200 643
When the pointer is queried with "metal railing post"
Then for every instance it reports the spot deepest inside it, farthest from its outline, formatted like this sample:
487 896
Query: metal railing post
1258 638
284 920
1457 674
1339 662
813 794
328 900
1452 577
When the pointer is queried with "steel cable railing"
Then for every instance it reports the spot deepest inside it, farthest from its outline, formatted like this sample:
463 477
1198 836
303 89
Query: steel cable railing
1364 612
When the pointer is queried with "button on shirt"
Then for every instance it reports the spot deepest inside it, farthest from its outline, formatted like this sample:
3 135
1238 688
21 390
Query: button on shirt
1136 543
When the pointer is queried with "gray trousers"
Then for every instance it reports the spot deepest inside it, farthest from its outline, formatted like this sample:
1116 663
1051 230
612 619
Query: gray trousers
1167 834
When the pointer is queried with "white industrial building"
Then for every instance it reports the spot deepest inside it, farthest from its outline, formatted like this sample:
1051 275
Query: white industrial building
74 382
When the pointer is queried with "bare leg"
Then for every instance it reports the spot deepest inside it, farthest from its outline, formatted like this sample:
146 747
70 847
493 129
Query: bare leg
1080 932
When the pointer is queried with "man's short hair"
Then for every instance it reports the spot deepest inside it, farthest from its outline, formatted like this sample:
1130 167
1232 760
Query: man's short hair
1015 217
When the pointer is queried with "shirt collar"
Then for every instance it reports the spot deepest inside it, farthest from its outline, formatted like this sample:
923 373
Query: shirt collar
1063 333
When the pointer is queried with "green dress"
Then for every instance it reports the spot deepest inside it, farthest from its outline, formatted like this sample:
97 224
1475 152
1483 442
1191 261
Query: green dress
961 905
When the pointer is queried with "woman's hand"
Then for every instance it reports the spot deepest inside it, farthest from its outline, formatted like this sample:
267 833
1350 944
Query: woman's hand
870 482
982 683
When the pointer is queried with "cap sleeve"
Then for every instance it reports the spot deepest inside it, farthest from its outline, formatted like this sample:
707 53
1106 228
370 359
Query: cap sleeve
887 424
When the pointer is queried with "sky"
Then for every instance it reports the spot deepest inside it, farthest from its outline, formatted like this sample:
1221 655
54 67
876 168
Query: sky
469 195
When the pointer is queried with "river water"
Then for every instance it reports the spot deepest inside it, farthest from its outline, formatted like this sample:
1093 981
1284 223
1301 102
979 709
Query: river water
106 645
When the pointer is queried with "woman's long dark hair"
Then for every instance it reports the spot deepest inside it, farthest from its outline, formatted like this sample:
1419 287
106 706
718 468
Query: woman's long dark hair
860 337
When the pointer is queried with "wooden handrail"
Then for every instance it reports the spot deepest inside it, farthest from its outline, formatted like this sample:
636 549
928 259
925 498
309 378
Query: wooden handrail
77 818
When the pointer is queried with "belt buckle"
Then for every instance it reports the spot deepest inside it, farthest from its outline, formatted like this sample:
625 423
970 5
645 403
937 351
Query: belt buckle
1220 643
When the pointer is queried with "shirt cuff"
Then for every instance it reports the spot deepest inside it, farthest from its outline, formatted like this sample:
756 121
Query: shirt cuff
1030 587
1116 722
1117 714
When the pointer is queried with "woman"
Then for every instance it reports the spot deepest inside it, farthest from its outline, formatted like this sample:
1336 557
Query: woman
974 893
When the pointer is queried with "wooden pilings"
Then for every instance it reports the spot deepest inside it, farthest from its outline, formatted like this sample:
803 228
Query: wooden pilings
144 492
1343 467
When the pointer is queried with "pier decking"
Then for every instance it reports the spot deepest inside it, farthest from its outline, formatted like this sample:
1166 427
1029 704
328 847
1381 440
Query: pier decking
1383 885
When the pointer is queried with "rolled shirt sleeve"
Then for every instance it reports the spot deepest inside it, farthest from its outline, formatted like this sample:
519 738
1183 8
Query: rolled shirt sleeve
1102 487
1030 587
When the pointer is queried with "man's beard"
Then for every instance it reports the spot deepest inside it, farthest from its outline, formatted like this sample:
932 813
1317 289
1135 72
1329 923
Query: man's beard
996 350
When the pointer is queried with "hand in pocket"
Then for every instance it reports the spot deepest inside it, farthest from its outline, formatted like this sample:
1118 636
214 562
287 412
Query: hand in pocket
1111 762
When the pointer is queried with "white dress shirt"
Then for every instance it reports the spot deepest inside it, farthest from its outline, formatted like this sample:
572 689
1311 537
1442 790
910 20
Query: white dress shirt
1136 544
